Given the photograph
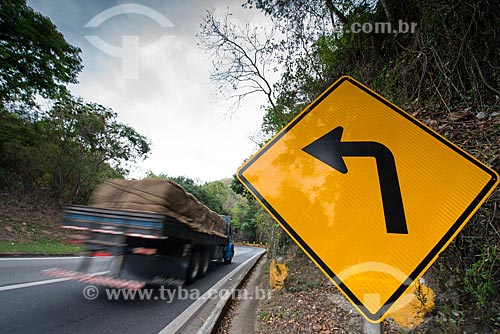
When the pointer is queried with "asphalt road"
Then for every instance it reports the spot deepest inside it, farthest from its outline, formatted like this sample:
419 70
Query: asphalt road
33 303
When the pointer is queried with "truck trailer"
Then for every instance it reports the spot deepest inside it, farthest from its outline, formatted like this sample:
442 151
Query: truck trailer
172 246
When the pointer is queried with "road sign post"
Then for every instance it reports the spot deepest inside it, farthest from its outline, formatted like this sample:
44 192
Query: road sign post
371 328
371 194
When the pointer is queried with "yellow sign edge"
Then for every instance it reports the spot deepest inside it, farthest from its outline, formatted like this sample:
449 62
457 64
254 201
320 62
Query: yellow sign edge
441 246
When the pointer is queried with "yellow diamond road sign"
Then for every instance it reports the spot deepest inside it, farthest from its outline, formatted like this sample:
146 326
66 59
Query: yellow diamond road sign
368 192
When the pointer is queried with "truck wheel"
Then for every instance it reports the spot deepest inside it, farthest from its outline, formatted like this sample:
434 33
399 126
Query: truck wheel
205 261
230 258
193 268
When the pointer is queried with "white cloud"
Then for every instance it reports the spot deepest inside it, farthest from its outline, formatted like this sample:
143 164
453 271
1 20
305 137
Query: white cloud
171 101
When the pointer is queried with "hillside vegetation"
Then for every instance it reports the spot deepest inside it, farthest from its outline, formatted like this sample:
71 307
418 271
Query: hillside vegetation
446 73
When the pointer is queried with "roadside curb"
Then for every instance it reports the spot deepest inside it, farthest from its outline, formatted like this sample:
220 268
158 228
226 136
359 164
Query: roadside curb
202 316
211 322
241 314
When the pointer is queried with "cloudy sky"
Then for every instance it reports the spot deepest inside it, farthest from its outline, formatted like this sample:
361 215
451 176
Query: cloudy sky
142 60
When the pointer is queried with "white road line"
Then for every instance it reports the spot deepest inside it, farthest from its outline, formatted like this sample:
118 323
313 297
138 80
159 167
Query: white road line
27 285
47 281
184 317
38 258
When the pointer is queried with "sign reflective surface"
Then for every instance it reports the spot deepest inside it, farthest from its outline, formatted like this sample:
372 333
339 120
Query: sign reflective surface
371 194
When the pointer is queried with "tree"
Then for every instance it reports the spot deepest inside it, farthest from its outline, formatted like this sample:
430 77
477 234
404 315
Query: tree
301 11
244 57
239 188
34 56
88 137
244 215
68 150
203 193
241 57
222 194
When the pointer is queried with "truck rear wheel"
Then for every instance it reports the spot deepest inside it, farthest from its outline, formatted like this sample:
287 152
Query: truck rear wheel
228 261
205 261
193 268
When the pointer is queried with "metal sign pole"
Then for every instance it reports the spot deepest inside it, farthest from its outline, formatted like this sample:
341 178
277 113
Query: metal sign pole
370 328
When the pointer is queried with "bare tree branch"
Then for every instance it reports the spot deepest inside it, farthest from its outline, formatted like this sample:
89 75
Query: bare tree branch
334 10
240 55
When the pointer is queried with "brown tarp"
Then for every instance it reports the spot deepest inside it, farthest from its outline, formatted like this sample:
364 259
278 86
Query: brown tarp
159 196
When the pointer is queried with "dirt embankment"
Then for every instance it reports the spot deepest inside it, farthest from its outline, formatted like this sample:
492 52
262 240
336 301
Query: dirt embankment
25 219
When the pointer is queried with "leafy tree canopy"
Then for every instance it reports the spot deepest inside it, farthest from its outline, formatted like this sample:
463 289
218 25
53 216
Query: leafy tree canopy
35 58
68 150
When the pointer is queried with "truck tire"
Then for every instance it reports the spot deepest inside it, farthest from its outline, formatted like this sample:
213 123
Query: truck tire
228 261
205 261
193 268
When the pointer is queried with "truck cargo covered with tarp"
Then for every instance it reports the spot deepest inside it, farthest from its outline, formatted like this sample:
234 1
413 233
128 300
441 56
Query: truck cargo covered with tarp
152 230
159 196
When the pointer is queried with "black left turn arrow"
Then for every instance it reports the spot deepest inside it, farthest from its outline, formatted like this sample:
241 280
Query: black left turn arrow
330 150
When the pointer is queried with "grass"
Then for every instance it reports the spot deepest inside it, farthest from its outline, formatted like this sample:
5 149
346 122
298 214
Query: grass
44 246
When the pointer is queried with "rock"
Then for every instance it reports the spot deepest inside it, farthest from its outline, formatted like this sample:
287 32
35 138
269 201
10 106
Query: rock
481 115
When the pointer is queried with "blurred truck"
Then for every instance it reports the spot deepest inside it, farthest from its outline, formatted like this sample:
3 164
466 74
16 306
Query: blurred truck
154 231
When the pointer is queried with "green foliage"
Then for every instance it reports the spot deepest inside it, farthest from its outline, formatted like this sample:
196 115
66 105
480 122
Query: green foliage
238 214
219 194
91 130
34 57
479 279
249 229
67 151
444 62
446 74
46 246
240 189
185 182
215 195
247 216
